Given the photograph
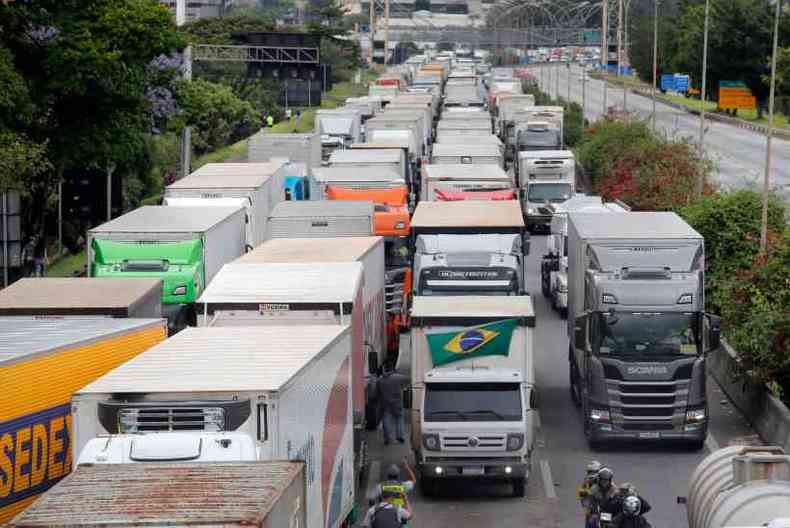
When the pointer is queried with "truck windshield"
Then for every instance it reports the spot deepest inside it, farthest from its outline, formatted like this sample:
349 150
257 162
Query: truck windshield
648 334
472 402
551 192
538 140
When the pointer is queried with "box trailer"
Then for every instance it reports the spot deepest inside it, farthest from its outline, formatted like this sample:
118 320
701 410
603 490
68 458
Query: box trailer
298 148
466 351
356 178
252 494
413 120
392 158
81 296
322 218
42 363
470 153
256 187
545 177
439 180
183 246
285 387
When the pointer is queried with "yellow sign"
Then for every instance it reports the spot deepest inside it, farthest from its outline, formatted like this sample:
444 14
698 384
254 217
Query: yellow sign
736 98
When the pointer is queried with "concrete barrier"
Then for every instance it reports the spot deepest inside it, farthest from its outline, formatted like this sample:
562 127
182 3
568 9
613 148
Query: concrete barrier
764 411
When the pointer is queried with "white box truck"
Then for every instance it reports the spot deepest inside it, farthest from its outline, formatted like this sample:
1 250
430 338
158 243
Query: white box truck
413 120
286 387
545 177
298 148
470 153
254 494
444 182
392 158
255 187
339 129
473 389
322 218
462 128
183 246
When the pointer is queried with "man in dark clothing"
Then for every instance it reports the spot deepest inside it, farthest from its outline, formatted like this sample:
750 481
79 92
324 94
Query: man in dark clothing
389 391
631 515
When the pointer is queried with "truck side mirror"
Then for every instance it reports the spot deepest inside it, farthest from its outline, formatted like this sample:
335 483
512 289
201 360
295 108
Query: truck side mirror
714 331
408 396
580 332
533 399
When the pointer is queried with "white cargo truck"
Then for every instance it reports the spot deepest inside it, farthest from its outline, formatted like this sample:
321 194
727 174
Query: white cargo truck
183 246
286 387
322 218
473 389
298 148
396 137
459 127
545 177
413 120
255 187
339 128
440 181
391 158
470 153
254 494
507 104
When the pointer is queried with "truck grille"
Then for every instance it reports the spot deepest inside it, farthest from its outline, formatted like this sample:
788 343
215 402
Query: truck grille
488 442
150 419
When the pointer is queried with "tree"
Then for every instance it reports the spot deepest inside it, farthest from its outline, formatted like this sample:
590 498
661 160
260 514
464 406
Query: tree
640 51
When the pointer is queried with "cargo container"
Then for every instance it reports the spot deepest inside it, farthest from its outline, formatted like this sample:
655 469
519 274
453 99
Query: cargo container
466 154
42 363
392 158
507 105
255 187
414 120
80 297
303 152
183 246
465 178
322 218
286 387
478 139
253 494
460 127
474 400
339 129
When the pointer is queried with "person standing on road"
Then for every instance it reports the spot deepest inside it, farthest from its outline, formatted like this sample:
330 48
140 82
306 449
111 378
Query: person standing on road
389 392
40 260
269 121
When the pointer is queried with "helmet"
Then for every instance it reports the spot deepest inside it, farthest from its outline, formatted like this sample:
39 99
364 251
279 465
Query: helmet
594 467
393 473
628 489
605 474
632 505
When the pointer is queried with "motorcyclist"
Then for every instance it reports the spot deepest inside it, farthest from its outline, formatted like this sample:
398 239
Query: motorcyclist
629 490
631 515
604 493
583 491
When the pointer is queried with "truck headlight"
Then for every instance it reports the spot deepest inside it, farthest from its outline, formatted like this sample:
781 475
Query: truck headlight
686 298
532 211
695 415
180 290
430 442
599 415
515 441
400 225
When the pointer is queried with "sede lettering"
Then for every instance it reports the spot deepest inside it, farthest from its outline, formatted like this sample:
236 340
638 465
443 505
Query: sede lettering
35 452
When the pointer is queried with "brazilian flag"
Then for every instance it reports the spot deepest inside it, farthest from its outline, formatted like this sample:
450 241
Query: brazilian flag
492 339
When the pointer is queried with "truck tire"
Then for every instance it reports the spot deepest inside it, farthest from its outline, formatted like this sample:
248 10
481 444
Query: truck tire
519 487
428 486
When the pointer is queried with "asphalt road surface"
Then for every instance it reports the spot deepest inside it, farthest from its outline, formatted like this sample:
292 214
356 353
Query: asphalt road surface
738 154
660 473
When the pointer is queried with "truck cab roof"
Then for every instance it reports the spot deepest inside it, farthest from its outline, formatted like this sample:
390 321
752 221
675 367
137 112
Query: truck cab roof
486 243
467 216
472 308
543 154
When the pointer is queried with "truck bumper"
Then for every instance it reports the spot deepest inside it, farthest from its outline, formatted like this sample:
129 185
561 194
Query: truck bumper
495 469
694 433
178 316
538 223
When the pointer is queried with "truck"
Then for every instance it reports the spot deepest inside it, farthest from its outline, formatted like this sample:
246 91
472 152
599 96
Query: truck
413 119
507 104
255 187
303 152
470 153
545 177
260 494
392 158
440 181
339 128
284 387
183 246
536 128
402 138
468 247
83 297
322 218
357 178
473 392
459 127
42 363
637 328
554 263
480 139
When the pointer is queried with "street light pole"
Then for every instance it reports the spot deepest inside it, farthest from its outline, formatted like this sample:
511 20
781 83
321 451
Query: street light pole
769 140
655 60
703 93
605 51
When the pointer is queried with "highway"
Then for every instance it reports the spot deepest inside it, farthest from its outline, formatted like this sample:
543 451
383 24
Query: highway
660 473
738 154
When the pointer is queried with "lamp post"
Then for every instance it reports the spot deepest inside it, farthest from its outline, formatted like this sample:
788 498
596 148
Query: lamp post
605 51
655 60
769 140
703 93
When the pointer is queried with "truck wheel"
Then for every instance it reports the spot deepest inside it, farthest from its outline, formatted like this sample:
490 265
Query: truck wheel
428 486
519 487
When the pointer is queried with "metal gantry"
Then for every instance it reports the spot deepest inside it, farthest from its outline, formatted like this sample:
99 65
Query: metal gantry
264 54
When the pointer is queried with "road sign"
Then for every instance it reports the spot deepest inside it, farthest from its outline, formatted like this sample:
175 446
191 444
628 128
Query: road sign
681 83
736 95
667 82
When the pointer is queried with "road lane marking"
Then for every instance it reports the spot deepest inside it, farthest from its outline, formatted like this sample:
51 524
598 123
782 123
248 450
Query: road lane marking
548 482
711 443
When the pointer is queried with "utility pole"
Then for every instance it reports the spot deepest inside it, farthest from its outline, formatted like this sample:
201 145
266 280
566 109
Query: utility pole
372 28
584 92
186 132
569 82
655 60
620 51
386 31
605 51
557 82
769 140
703 93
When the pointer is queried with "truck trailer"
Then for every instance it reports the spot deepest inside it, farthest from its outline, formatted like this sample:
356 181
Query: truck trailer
42 363
473 390
255 187
470 153
285 387
322 218
83 297
253 494
183 246
545 177
442 180
637 327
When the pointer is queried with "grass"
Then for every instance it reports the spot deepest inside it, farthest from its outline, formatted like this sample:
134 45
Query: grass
332 99
235 152
68 265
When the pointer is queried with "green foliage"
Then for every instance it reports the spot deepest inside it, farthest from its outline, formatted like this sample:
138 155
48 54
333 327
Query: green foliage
220 30
343 56
22 162
640 51
218 116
